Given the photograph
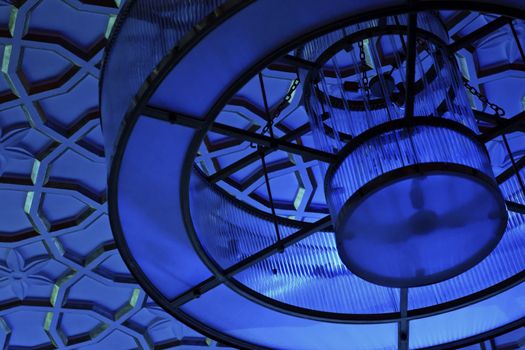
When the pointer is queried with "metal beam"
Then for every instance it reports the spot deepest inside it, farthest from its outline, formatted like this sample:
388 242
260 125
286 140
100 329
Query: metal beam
261 140
478 34
242 265
516 38
511 171
296 62
252 157
403 327
225 172
515 207
488 118
505 126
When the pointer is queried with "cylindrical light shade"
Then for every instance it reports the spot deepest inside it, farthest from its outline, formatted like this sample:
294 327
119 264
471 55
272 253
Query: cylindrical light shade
413 197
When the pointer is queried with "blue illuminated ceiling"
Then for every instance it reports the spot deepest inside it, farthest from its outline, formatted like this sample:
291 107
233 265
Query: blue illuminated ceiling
62 282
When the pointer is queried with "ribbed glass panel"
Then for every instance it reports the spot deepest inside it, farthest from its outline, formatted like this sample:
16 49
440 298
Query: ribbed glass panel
310 274
229 231
468 321
505 261
150 30
396 149
338 98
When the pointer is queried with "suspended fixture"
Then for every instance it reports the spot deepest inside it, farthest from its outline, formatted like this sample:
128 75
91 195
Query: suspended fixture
317 174
412 195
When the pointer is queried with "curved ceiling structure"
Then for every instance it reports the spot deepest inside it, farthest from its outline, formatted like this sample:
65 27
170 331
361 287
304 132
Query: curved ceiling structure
64 284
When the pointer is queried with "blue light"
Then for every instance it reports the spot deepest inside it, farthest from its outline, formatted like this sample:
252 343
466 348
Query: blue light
413 197
179 228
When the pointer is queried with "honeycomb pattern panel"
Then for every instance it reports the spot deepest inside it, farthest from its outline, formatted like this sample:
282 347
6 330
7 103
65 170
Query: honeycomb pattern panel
63 284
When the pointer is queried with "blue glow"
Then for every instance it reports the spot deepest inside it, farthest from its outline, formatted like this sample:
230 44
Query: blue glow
302 266
227 311
163 256
386 234
468 321
386 228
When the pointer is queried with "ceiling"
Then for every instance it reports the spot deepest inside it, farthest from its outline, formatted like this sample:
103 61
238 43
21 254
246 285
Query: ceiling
63 284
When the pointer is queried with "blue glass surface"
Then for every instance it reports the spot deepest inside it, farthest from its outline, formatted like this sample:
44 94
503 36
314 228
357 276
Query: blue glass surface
400 148
507 259
310 274
227 311
468 321
421 228
152 28
149 206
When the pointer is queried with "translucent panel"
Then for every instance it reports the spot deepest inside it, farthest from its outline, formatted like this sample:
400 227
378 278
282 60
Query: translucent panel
236 316
230 231
469 321
150 31
396 149
507 259
421 229
154 235
310 274
363 84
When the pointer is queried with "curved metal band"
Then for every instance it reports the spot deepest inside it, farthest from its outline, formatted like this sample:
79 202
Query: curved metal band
160 73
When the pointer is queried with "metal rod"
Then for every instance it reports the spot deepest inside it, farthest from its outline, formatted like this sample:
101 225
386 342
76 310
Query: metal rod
218 279
478 34
514 166
261 140
252 157
507 173
296 62
270 196
269 118
516 38
515 207
403 327
411 64
225 172
506 125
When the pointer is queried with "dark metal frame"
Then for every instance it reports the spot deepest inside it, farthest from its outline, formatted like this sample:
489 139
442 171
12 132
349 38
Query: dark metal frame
131 117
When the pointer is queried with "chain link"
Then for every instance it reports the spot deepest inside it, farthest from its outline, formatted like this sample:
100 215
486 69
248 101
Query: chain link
364 75
497 109
280 108
484 99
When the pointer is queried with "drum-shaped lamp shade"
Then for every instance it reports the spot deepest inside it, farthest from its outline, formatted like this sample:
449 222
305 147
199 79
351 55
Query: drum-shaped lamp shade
412 197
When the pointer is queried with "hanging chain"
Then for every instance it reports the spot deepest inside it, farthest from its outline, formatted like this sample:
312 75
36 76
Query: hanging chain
484 99
497 109
279 109
364 75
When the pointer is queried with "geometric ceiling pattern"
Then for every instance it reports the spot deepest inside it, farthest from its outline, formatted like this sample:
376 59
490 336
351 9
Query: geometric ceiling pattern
63 284
62 281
